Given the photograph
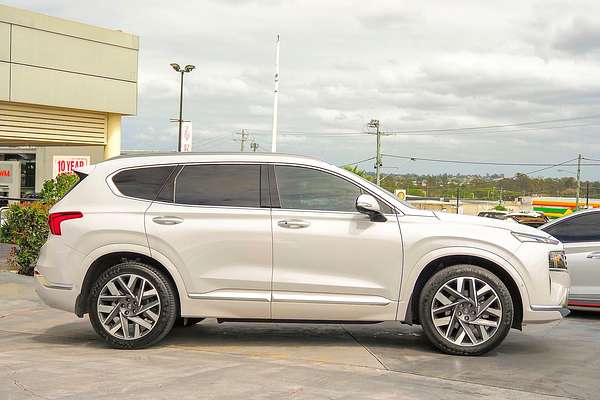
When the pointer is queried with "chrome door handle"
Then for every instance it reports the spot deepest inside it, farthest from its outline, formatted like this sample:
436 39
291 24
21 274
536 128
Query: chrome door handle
166 220
595 254
293 224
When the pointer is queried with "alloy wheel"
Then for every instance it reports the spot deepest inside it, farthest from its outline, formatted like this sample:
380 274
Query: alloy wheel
466 311
128 306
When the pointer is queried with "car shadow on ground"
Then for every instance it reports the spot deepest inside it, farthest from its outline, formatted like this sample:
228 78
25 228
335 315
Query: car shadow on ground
392 339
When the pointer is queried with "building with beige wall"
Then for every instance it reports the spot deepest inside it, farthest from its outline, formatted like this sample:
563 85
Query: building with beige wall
64 83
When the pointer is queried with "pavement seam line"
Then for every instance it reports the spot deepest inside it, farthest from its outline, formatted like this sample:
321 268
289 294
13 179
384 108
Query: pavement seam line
365 347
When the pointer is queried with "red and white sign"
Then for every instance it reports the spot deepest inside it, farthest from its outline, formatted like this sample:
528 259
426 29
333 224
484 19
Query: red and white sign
66 164
186 136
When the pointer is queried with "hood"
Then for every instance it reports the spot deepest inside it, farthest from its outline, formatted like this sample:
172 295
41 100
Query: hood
509 224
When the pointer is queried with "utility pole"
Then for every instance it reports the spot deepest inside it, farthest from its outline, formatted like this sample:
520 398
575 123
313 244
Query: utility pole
587 194
374 123
457 198
244 136
578 182
275 94
254 146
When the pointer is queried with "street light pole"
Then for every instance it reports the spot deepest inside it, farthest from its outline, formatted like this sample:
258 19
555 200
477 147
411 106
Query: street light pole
180 113
177 68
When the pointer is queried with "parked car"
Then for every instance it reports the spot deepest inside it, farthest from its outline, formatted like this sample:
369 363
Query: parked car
580 234
531 218
143 241
495 214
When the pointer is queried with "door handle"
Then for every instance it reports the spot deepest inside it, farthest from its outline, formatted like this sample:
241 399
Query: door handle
293 224
166 220
595 254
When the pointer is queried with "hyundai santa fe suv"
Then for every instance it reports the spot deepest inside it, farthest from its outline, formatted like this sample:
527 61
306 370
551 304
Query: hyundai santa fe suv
142 242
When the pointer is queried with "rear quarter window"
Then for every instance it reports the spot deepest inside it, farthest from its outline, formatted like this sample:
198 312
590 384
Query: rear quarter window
142 183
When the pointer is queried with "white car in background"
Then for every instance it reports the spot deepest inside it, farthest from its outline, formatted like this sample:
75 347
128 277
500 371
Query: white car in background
143 241
580 234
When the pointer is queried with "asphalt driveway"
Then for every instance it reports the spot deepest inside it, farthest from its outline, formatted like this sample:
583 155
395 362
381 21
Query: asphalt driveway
48 354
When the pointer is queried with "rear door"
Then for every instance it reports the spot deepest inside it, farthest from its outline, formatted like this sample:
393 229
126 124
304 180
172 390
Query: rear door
210 221
580 235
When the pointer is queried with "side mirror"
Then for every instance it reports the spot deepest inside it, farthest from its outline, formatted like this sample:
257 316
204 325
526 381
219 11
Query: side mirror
367 204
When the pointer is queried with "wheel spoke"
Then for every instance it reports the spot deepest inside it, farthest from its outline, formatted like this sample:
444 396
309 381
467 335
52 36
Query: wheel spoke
147 307
446 307
486 304
484 322
469 332
113 314
140 295
473 291
129 292
125 326
140 321
442 321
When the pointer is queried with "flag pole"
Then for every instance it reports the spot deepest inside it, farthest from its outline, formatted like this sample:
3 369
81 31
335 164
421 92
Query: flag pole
275 94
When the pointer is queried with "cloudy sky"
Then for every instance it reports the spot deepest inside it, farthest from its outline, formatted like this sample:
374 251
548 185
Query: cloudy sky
414 65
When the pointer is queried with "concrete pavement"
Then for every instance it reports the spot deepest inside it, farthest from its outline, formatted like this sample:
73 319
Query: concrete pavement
54 355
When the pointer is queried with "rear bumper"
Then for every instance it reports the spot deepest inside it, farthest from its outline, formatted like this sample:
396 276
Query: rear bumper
55 295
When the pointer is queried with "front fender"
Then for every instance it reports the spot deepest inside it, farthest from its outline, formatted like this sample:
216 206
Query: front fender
412 274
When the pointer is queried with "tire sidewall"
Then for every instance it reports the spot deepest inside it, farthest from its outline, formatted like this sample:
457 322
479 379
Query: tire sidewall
442 277
168 304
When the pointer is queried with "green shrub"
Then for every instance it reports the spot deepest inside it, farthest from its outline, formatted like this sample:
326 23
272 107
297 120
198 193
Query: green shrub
25 227
500 207
26 224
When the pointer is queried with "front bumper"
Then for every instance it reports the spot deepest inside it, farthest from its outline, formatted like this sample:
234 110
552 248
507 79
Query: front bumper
560 282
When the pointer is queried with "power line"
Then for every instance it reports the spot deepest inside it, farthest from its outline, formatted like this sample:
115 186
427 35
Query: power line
358 162
552 166
501 126
479 162
455 131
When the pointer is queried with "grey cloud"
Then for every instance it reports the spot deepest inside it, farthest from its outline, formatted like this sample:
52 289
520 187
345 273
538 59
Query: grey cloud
580 36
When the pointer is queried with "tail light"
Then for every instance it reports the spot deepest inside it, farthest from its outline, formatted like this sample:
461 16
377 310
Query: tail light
55 219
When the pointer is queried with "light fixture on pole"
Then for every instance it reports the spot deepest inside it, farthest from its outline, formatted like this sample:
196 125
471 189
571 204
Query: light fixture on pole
177 68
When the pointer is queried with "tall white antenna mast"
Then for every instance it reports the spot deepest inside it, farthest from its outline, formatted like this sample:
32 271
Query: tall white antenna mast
275 93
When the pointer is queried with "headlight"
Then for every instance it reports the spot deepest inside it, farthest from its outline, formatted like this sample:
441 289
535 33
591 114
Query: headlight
557 260
526 237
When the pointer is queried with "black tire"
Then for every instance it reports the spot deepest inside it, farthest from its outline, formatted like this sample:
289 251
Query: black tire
446 275
166 294
182 322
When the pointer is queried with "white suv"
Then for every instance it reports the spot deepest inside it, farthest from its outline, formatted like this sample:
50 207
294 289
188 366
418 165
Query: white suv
143 242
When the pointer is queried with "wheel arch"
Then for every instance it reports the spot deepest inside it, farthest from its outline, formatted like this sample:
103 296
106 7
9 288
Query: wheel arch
442 262
105 261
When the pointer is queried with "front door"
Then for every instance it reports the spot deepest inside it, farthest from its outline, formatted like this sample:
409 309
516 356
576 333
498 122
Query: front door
329 261
209 222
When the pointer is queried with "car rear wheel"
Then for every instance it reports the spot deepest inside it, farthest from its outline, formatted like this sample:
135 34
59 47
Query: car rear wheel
132 305
465 310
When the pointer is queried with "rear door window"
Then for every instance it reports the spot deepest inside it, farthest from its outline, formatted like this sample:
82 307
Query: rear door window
142 183
235 185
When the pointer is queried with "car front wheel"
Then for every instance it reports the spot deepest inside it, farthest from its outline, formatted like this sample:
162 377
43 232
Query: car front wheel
132 305
465 310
